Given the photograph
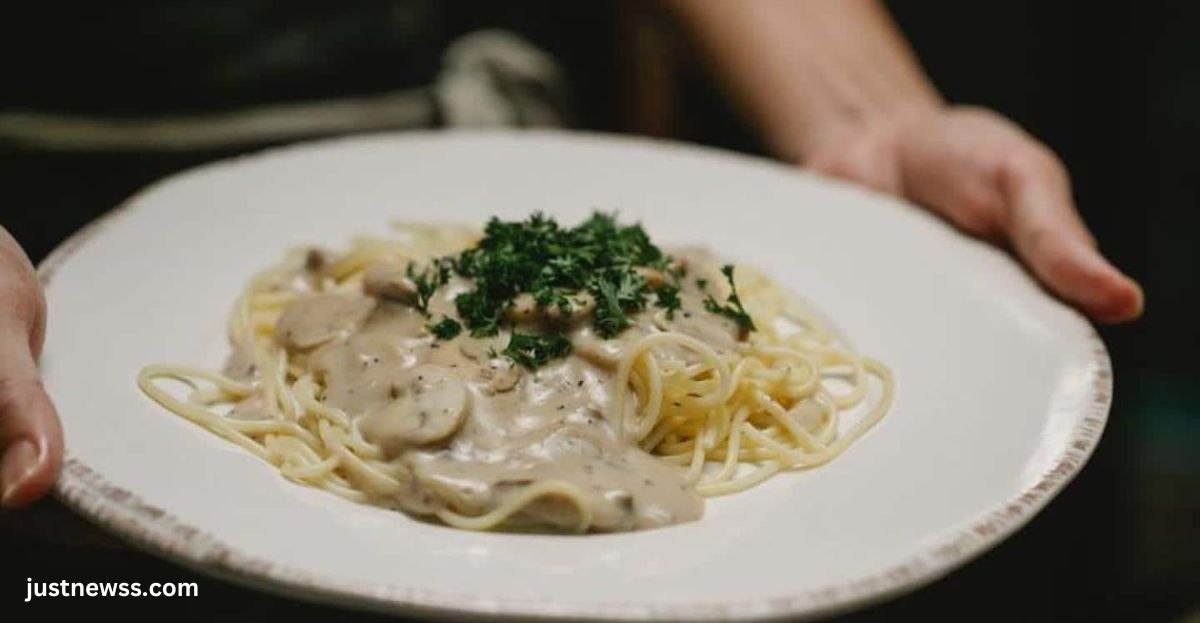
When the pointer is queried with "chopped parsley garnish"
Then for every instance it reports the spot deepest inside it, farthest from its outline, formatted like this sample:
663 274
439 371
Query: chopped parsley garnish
667 297
560 268
481 315
552 263
733 308
533 351
446 329
428 281
617 292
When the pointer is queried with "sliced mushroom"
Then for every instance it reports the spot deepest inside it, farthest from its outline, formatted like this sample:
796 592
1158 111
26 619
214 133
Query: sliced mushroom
316 259
500 374
582 306
390 282
427 406
596 350
525 309
476 349
652 276
569 440
312 320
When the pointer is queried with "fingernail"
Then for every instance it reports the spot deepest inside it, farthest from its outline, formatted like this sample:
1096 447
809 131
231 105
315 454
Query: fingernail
1122 299
19 462
1139 305
1131 306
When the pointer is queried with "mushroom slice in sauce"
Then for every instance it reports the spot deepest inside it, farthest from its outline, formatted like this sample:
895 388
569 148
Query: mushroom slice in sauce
317 259
525 310
594 349
427 406
390 282
500 375
478 349
315 319
652 276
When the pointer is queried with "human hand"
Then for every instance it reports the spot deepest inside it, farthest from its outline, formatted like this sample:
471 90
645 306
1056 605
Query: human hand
992 180
30 436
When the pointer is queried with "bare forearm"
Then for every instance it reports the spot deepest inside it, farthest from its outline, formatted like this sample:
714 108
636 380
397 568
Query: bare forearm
802 69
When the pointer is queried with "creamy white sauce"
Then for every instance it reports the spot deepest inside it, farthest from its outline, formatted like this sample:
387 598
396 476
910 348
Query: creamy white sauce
470 428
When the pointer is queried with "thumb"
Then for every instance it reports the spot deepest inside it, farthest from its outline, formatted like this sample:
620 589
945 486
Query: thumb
1049 235
30 435
31 444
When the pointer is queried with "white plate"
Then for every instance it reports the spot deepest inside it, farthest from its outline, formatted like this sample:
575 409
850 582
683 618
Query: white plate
1002 391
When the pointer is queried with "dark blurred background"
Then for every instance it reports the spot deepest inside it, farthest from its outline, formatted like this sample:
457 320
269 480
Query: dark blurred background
1114 88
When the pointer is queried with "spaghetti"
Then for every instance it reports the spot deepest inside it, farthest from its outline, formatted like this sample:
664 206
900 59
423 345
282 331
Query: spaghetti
719 408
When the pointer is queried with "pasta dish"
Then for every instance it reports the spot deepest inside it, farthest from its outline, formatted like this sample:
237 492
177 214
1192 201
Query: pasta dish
531 376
